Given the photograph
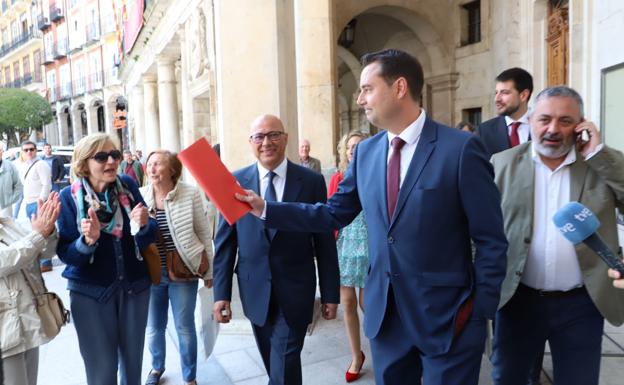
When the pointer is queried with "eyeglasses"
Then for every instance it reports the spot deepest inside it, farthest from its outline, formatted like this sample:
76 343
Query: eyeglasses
273 136
29 149
102 157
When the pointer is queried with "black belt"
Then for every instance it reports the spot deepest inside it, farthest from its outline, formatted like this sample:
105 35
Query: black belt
553 293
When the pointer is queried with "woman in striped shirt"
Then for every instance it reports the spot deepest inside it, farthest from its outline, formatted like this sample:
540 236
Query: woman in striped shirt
180 211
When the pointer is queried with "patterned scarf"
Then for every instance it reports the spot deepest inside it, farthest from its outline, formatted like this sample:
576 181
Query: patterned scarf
108 210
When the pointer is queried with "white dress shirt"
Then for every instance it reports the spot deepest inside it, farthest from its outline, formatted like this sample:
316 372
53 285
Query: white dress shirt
523 130
552 263
38 182
279 180
410 135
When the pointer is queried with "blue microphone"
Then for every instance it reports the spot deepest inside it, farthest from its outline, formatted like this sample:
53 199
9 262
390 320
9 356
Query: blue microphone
578 224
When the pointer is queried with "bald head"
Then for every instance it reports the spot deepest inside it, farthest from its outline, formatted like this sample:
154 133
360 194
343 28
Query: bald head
304 149
267 119
268 140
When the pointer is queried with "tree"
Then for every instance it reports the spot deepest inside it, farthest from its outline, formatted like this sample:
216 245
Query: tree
22 111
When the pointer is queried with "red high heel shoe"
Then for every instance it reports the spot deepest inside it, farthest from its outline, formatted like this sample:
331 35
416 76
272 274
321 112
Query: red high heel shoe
350 376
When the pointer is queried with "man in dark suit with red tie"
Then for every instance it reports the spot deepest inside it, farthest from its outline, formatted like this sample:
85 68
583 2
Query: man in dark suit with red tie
511 127
426 191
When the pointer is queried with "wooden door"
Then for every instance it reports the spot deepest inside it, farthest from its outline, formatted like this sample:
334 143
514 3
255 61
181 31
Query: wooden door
558 45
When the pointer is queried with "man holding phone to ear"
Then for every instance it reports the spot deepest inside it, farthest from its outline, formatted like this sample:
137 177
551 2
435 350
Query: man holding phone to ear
554 291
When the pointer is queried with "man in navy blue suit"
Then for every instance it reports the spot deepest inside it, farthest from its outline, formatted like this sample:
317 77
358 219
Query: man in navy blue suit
276 269
511 127
427 191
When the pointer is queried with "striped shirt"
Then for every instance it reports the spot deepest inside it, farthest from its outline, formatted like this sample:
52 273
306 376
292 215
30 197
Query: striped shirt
161 218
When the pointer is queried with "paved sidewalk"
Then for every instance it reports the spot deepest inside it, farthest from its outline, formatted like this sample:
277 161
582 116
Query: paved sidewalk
236 360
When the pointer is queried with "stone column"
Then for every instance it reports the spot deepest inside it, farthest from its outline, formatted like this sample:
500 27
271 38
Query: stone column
168 104
254 76
92 124
150 114
443 97
62 129
316 77
136 111
76 124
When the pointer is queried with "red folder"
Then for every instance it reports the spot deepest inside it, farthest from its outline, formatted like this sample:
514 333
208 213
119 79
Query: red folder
215 179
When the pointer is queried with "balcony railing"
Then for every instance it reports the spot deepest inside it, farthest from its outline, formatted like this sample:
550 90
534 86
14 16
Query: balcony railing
56 14
21 40
93 32
95 81
79 86
60 49
43 22
20 82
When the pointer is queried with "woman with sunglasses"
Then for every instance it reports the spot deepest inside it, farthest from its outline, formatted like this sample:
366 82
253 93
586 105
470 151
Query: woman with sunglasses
352 246
184 227
103 224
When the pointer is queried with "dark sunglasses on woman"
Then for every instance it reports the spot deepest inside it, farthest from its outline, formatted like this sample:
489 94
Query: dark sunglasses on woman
102 157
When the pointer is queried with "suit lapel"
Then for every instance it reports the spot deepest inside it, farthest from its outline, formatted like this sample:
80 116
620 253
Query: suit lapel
578 170
293 184
503 132
525 177
378 161
425 147
251 180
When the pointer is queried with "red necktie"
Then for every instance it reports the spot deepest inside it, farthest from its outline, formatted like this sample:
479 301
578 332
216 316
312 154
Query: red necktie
394 175
514 139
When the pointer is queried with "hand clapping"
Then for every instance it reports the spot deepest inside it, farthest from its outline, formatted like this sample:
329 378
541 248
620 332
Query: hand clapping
90 227
44 221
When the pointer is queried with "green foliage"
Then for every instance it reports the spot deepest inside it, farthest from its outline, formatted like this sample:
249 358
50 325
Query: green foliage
22 111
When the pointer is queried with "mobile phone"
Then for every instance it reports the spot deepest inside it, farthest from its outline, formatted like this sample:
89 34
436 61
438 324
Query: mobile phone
582 137
225 313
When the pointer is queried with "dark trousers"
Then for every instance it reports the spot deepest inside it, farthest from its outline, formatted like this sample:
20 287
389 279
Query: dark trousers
280 346
570 323
397 361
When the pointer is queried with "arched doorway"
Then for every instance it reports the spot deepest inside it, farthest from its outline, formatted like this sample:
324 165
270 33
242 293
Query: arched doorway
99 113
70 131
373 25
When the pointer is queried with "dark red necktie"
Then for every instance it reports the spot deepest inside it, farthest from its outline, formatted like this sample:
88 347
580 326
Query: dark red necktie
394 175
514 139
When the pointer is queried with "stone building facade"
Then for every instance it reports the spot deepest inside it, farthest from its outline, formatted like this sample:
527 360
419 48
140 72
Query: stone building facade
208 68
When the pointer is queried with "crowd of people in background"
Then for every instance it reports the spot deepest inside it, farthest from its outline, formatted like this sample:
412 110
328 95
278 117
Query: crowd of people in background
442 228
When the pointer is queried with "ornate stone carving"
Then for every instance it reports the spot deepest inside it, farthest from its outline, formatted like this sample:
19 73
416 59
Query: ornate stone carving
199 47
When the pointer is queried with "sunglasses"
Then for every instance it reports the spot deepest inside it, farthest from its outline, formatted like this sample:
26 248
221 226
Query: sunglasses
102 157
29 149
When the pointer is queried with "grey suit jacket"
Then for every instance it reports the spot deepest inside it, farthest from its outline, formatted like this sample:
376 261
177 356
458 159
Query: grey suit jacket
597 183
313 164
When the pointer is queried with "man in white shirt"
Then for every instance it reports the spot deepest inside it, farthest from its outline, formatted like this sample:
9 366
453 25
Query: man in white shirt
553 291
510 128
36 177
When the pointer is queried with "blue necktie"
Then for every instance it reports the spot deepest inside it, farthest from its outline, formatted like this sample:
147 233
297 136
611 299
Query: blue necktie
270 196
269 193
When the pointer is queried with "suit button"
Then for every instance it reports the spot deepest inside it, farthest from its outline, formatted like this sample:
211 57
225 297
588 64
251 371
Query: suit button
390 240
527 240
519 273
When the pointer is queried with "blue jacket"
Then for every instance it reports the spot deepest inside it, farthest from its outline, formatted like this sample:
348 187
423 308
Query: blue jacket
100 270
448 198
282 267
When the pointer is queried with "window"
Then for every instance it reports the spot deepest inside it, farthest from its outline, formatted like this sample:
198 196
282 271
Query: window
37 69
52 85
472 116
471 22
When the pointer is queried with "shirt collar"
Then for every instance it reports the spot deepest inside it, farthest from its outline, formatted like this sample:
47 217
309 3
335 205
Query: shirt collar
569 159
411 134
280 170
524 119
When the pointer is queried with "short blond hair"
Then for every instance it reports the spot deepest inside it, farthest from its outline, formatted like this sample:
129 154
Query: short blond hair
86 148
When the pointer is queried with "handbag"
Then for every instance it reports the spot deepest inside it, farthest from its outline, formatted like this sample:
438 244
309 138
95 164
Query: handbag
50 309
177 269
151 256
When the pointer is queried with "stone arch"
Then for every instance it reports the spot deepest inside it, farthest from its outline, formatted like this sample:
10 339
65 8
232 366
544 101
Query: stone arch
412 27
